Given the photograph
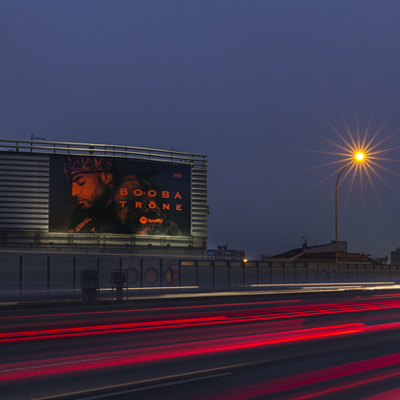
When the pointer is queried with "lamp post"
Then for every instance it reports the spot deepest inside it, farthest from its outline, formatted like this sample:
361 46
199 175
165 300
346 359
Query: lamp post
359 156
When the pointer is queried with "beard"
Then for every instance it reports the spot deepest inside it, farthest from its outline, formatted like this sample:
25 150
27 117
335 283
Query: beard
98 200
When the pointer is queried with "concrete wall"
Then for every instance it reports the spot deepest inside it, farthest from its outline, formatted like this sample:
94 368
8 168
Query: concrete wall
32 273
59 273
233 275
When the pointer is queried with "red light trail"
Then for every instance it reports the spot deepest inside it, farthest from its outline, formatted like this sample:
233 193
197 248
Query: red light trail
176 308
228 318
311 378
162 353
201 337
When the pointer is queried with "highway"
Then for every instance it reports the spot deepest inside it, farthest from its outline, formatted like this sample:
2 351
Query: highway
297 346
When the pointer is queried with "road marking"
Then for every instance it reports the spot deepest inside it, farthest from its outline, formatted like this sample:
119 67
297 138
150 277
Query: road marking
101 396
57 364
133 390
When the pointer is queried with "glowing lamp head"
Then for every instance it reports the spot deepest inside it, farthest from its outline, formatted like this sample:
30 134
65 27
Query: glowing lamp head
359 156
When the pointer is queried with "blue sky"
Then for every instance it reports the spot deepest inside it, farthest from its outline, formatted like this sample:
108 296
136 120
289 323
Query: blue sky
248 83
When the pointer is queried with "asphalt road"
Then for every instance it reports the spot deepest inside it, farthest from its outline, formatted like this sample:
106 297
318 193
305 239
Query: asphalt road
299 347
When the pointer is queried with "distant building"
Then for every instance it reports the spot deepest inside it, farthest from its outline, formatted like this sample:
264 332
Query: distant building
317 264
382 260
395 257
323 253
327 251
223 253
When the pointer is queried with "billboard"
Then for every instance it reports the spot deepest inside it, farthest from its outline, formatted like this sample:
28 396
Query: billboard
92 194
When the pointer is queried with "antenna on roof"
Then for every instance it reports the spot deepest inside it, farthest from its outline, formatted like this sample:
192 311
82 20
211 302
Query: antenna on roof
33 137
304 241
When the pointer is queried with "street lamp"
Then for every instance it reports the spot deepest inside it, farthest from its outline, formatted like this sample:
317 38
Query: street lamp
358 157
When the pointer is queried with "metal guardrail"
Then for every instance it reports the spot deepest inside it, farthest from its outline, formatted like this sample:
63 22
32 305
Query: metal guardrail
12 239
138 153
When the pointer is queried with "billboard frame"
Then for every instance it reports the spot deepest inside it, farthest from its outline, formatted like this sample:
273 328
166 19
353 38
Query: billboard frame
22 154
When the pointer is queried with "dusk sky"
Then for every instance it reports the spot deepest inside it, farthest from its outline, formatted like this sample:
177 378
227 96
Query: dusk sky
261 87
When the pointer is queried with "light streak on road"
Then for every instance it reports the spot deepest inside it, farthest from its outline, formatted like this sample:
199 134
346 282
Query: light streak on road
144 310
162 353
233 317
352 370
110 341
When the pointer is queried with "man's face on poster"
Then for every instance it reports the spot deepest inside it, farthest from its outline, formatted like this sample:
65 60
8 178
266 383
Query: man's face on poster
92 190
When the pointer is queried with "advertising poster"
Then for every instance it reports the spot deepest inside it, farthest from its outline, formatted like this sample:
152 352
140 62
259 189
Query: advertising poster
90 194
